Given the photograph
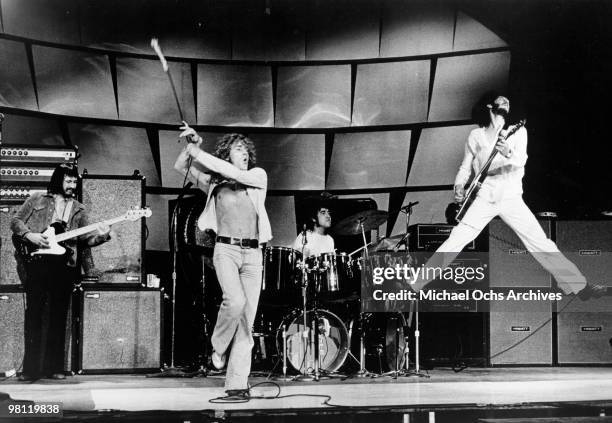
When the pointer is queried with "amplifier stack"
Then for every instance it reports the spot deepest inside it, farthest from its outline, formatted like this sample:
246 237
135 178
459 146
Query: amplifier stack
24 171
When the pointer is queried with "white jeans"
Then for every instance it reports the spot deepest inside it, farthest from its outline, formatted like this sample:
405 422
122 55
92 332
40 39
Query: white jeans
239 271
515 213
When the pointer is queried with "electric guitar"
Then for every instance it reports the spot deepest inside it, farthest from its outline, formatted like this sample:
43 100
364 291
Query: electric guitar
474 187
56 234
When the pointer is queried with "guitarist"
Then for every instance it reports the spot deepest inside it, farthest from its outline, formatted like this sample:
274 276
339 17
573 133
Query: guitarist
501 195
48 281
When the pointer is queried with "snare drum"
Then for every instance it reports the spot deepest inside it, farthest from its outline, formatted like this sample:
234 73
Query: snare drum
333 341
279 281
333 274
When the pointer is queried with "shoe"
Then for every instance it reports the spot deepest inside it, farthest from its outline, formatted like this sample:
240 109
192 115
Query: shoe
592 291
26 378
58 376
237 394
218 360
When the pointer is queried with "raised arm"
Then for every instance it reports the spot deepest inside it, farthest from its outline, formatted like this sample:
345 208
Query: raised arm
255 177
196 175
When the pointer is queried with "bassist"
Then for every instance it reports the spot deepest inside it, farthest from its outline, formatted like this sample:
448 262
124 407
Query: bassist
48 281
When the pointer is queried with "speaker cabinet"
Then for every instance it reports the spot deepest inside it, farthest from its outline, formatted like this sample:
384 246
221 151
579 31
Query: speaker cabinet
8 271
120 330
520 332
119 260
511 265
585 327
12 310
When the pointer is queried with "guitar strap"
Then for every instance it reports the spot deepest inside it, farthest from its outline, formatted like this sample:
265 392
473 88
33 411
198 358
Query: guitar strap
67 210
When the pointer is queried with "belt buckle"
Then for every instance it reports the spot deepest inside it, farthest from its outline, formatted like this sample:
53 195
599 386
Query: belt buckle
244 243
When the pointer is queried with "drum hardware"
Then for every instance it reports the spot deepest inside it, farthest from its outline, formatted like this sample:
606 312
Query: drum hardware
414 306
401 360
306 340
353 225
407 210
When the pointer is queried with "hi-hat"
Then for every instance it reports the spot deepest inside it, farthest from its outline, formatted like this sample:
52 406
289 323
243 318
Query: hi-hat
368 219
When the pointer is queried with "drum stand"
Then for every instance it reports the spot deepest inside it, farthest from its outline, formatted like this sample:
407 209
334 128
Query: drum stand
363 372
307 334
417 333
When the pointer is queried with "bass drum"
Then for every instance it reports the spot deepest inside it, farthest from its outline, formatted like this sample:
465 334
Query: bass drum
333 341
385 341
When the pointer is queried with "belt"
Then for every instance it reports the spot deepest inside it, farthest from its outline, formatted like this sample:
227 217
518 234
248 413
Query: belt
241 242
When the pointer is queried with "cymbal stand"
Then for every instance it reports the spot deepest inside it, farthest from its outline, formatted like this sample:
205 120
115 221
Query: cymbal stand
408 211
417 333
363 372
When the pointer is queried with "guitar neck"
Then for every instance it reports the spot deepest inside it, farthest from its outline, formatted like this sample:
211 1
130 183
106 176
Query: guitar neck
482 174
86 229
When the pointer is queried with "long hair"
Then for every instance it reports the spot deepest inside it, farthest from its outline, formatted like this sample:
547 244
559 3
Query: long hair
223 147
56 184
225 143
480 111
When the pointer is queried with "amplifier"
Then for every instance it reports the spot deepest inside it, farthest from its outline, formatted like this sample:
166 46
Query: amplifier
18 194
25 172
120 330
428 237
37 154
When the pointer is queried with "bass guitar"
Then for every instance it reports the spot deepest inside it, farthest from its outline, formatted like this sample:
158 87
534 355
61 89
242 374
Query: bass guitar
474 187
56 234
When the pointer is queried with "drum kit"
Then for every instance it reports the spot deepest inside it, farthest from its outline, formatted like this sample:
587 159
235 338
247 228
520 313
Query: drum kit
313 340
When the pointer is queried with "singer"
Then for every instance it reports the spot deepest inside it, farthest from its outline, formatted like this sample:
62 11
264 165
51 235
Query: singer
235 211
501 195
315 230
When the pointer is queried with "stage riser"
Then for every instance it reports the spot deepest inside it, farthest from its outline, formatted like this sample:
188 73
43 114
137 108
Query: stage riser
120 330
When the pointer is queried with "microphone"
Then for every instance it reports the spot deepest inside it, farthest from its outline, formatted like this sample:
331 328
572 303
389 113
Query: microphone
408 206
304 238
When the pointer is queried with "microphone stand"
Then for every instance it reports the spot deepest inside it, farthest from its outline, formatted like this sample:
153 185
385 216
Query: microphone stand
172 370
306 338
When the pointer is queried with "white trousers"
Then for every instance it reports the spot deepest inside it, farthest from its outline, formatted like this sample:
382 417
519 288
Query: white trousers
515 213
239 271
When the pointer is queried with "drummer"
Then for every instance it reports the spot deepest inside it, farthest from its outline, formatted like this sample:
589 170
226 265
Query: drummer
317 239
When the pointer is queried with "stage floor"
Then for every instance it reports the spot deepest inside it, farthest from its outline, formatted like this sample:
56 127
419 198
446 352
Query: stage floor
444 389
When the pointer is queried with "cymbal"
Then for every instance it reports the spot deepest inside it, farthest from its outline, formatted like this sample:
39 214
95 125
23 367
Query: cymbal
389 243
369 219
